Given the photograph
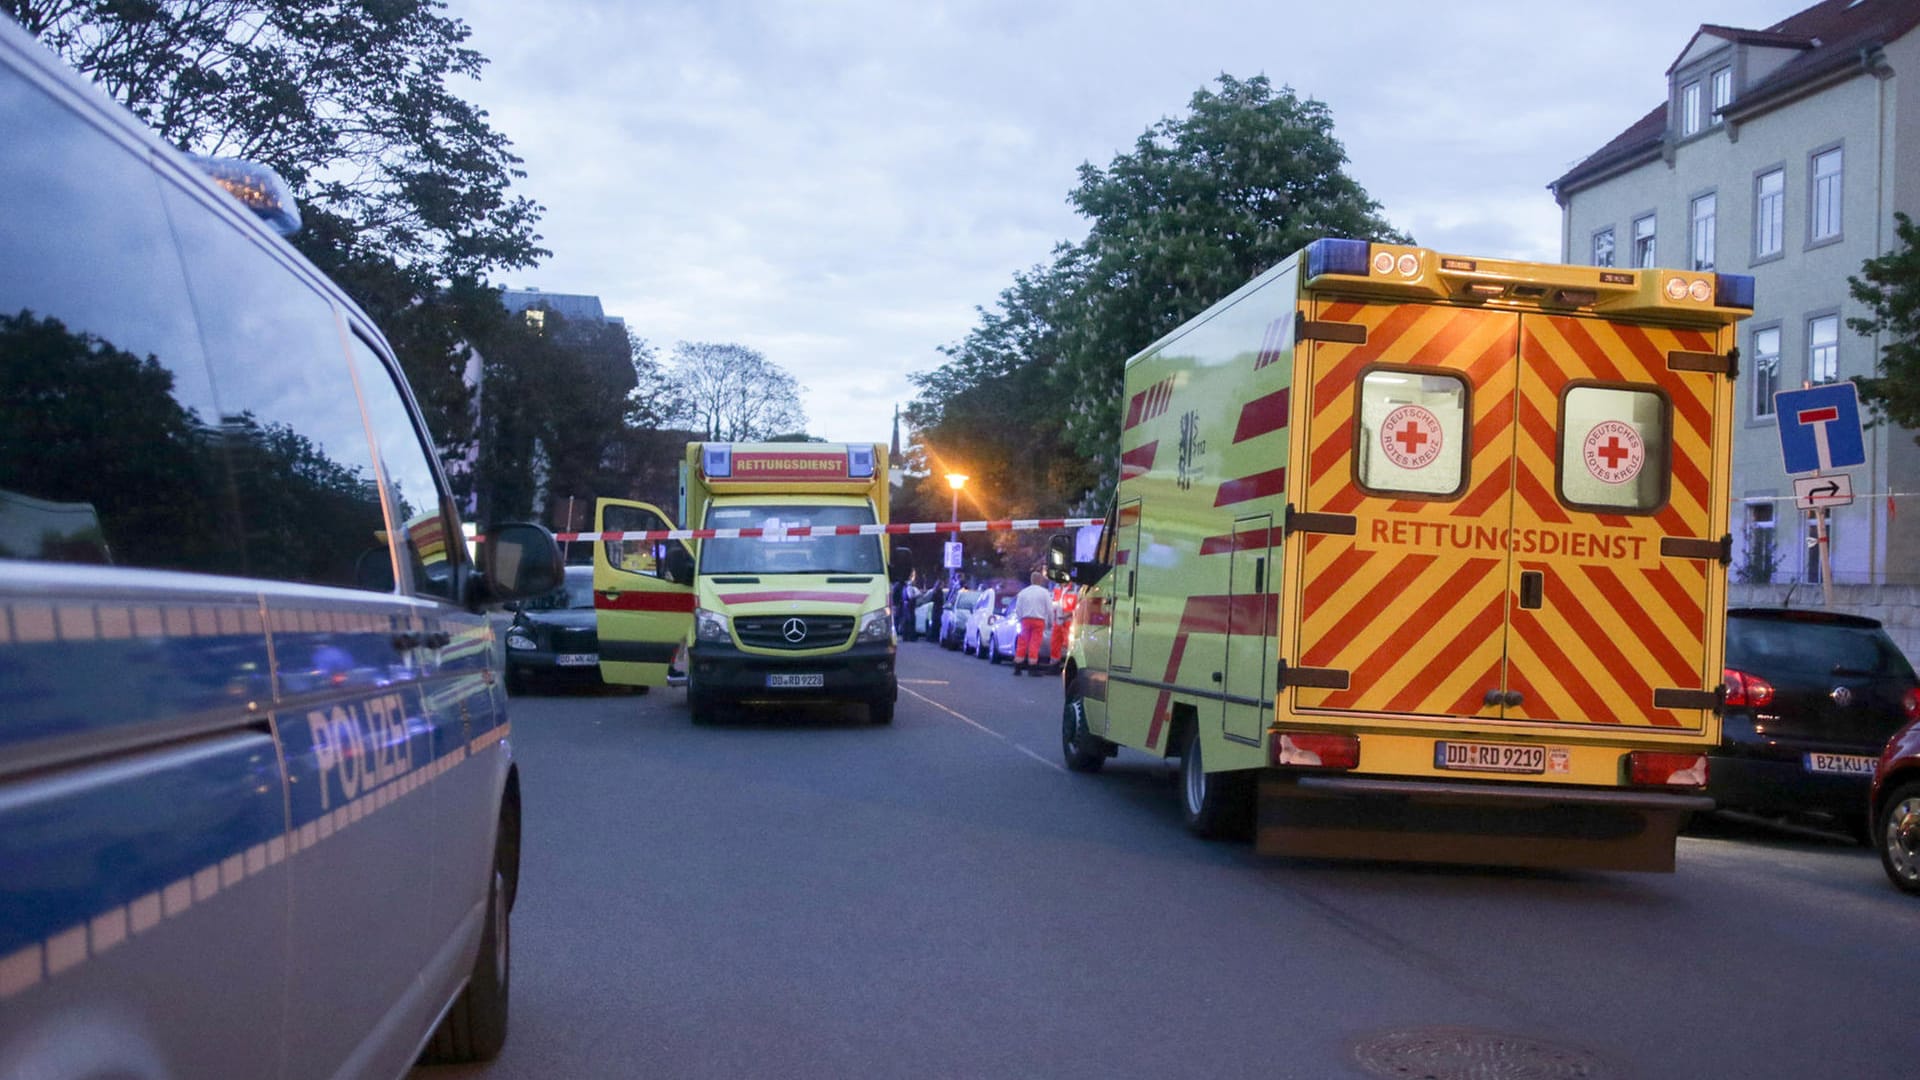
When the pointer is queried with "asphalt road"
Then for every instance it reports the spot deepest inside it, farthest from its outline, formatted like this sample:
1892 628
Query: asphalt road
805 895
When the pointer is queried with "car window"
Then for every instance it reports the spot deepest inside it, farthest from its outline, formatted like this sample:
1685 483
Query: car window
287 424
432 538
109 442
1810 648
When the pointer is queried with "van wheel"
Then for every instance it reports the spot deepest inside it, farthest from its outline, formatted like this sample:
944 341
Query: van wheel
1218 805
475 1028
705 711
880 712
1084 751
516 683
1899 833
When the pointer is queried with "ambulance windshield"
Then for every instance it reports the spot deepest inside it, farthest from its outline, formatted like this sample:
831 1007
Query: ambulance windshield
790 541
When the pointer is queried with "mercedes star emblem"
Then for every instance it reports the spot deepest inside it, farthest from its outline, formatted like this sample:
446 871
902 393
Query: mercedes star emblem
794 630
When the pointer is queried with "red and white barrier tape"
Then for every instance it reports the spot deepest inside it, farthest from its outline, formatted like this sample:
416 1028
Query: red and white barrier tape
918 528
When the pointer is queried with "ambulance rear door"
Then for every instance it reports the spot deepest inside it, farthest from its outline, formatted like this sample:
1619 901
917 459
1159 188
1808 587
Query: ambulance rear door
1612 522
643 615
1400 596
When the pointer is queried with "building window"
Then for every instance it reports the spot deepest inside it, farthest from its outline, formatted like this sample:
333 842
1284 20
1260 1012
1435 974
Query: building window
1690 109
1825 214
1769 213
1823 349
1722 91
536 319
1762 555
1766 370
1643 241
1703 232
1603 247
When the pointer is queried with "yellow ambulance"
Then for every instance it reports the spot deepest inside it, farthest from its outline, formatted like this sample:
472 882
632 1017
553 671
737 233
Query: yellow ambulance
783 595
1422 556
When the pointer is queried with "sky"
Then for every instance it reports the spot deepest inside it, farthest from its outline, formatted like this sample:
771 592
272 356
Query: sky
840 183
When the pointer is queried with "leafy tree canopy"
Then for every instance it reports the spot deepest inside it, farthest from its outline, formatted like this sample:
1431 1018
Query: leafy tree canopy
1030 398
1889 285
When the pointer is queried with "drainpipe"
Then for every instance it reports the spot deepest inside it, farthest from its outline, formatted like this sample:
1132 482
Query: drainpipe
1874 60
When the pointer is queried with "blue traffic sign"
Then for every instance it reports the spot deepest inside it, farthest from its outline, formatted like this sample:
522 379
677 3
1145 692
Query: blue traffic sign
1820 428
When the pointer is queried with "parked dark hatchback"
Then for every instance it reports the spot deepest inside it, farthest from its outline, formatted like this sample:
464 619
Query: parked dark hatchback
554 639
1896 808
1812 698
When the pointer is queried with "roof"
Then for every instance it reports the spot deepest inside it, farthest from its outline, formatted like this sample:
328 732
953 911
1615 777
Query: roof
571 306
1832 35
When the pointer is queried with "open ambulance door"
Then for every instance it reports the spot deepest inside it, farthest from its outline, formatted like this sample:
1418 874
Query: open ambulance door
644 615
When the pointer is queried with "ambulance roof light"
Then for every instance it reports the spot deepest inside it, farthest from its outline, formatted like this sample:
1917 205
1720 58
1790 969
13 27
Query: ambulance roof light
860 462
716 460
1332 256
1733 290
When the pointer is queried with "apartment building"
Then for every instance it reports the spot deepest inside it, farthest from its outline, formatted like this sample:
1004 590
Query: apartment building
1783 153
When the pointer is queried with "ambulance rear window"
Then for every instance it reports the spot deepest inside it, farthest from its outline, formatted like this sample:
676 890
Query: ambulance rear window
1614 448
1412 433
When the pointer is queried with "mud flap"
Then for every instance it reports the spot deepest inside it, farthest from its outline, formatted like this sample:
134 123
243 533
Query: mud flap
1330 817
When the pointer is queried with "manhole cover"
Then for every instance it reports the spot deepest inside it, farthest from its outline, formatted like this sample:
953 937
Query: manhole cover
1467 1054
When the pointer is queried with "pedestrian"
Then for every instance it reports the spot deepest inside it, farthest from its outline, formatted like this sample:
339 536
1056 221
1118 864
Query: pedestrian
939 604
1033 607
903 620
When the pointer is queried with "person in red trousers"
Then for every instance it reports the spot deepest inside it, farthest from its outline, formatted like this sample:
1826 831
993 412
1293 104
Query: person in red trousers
1033 607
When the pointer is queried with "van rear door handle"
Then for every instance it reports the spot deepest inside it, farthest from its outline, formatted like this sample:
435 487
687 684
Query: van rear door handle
1533 589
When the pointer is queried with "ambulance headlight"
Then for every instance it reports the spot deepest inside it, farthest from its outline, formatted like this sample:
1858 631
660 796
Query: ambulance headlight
875 626
710 626
518 640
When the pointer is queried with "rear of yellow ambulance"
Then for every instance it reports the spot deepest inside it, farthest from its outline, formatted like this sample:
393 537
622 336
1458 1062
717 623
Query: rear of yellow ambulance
1506 559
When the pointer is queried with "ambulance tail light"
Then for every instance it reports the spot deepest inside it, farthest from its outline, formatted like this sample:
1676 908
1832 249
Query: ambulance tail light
1330 256
1733 290
1746 690
1316 750
1659 768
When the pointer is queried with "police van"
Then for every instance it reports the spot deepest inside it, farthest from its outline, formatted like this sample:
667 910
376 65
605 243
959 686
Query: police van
258 813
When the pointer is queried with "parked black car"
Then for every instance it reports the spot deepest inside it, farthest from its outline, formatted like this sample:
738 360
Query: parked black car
554 639
1812 698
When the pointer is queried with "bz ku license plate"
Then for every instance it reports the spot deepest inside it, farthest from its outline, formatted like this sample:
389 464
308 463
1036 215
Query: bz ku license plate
1844 764
1489 757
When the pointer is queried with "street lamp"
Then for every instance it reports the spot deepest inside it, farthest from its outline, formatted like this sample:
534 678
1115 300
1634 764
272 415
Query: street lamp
956 481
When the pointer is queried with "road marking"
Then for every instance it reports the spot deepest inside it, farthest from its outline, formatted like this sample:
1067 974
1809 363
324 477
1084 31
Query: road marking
925 682
964 718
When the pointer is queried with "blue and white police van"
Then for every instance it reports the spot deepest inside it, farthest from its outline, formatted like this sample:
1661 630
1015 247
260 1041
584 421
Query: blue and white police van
258 812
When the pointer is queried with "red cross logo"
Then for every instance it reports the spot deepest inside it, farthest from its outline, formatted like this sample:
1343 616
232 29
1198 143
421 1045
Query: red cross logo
1411 437
1613 452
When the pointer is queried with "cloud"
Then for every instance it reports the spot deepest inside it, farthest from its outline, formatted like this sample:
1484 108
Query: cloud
840 182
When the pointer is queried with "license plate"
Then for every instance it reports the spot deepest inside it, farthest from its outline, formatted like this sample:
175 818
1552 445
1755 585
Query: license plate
1489 757
795 682
1845 764
577 659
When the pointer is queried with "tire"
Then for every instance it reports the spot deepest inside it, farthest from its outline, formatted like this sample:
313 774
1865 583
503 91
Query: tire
1898 833
993 650
880 712
475 1028
1084 751
705 710
516 683
1216 806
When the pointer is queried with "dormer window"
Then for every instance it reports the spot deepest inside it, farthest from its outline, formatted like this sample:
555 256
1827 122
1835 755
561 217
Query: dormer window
1722 91
1690 114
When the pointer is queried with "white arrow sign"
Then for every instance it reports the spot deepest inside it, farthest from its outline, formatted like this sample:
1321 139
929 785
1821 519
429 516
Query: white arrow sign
1818 492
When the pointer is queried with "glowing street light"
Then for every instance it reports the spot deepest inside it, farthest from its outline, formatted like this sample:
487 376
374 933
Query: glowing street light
956 481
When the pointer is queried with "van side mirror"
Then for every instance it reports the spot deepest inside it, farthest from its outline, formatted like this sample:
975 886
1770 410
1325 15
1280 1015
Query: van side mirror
519 560
1060 558
676 563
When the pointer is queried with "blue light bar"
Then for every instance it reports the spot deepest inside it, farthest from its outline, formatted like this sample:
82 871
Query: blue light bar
1733 290
716 460
860 462
1330 256
258 188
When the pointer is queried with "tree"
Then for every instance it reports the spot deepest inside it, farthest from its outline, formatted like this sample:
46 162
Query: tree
733 394
348 102
1199 206
1889 285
